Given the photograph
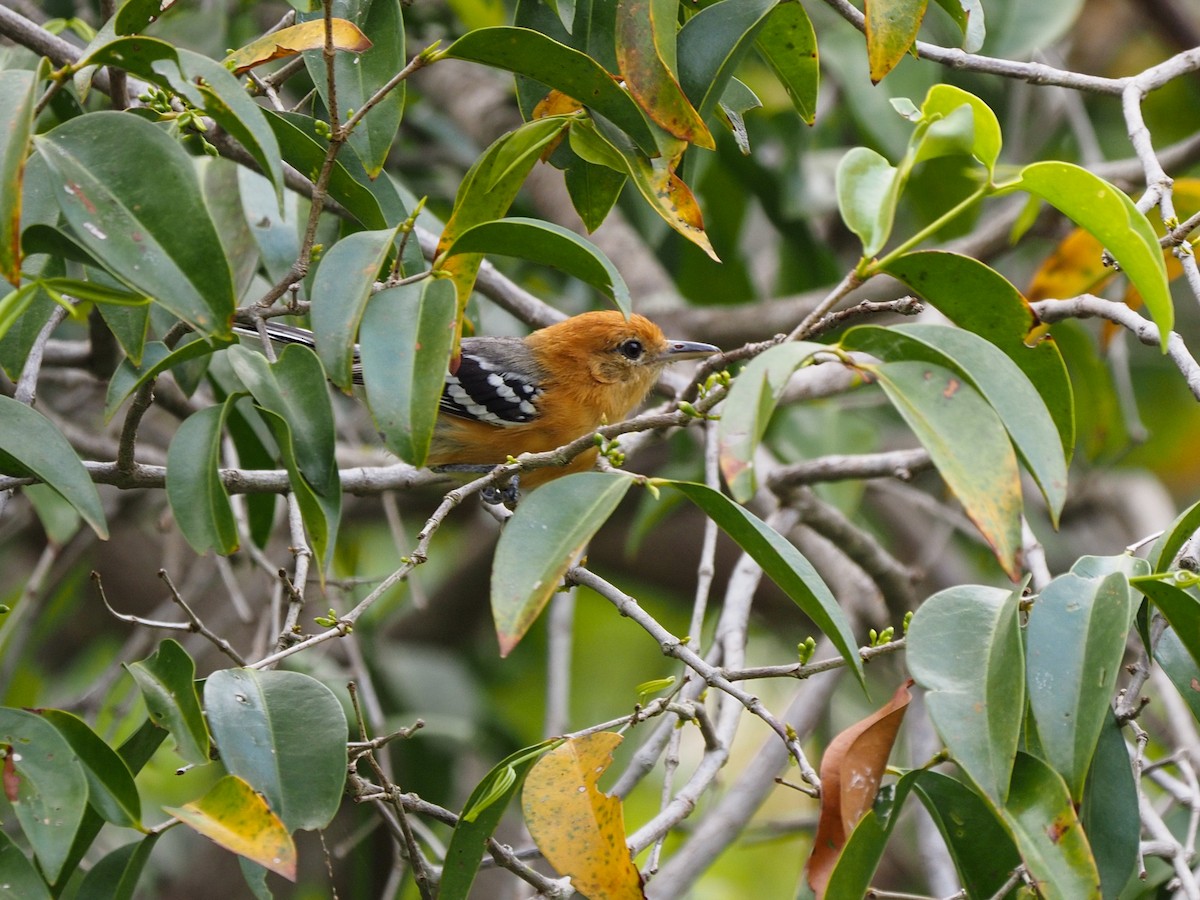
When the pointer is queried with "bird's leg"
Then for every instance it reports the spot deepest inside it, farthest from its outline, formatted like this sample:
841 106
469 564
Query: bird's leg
493 494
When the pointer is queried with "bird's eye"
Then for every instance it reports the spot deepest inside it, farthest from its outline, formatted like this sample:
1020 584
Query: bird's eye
631 349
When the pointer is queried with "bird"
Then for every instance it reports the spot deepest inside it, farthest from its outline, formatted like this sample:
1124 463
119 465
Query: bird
510 395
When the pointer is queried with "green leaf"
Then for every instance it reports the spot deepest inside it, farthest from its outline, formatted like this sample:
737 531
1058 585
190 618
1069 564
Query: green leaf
593 190
1178 607
276 228
1109 811
981 300
1047 831
541 541
1171 541
659 186
58 517
167 682
19 880
1180 668
711 45
285 734
375 204
157 358
29 443
487 191
968 444
964 648
788 43
856 864
407 334
18 91
891 29
341 289
998 380
51 789
480 816
92 292
748 410
644 43
944 99
292 396
548 244
982 850
14 305
129 223
361 75
534 55
868 187
1109 215
782 563
195 491
115 876
111 789
1073 648
968 16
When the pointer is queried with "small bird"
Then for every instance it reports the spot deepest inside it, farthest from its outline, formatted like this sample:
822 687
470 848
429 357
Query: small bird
512 395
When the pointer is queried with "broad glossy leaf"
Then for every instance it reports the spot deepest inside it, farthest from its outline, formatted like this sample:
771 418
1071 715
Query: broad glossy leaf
711 45
111 790
968 444
275 228
852 768
1171 541
998 380
1178 607
551 245
541 541
1047 831
748 410
579 829
891 27
1074 643
238 819
340 291
1180 668
135 15
648 77
788 43
295 39
1109 811
867 190
59 519
45 784
285 734
29 443
157 358
116 875
167 681
1108 213
659 186
529 53
293 399
375 204
983 852
480 816
964 648
18 88
981 300
199 501
20 880
593 190
360 76
406 338
782 563
125 220
945 99
487 191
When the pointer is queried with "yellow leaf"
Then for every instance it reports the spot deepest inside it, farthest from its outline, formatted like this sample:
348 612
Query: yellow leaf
579 829
891 27
237 818
297 39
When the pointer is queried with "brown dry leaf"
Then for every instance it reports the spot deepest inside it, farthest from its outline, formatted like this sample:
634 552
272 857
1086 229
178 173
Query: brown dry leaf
851 769
297 39
579 829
